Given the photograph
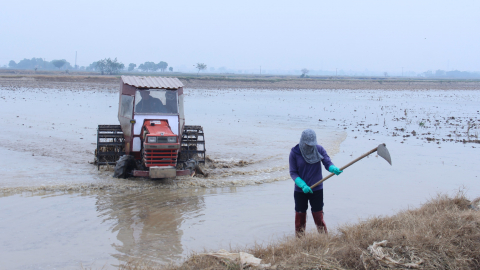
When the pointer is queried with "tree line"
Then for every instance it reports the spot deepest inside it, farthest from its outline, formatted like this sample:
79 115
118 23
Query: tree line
40 63
104 66
450 74
108 66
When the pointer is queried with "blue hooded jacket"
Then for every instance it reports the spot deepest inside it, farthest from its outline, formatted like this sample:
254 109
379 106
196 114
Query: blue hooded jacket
310 173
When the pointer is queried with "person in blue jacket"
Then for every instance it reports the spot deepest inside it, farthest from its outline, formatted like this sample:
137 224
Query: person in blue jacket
305 169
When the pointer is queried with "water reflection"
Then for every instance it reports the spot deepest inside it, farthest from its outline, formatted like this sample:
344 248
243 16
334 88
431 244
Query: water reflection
148 223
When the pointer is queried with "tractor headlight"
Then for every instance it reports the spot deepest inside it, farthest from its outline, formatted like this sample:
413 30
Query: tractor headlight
151 139
172 139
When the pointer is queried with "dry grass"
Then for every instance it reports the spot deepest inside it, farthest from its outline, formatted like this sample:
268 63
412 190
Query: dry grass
442 234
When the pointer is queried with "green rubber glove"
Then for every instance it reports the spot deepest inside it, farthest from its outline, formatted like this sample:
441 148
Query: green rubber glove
334 169
301 184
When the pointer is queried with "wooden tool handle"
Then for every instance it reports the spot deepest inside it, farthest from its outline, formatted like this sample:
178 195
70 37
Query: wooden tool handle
344 167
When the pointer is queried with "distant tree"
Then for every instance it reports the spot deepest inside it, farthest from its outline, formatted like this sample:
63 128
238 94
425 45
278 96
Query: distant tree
101 66
33 63
92 66
113 66
162 66
27 63
440 73
59 63
120 66
200 67
148 66
462 74
171 69
107 66
12 64
152 66
427 73
304 72
385 74
131 66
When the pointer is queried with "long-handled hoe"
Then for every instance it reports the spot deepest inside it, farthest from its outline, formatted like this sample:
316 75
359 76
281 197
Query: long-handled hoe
381 150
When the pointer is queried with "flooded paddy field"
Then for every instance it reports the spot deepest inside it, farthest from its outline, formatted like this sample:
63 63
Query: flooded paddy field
53 201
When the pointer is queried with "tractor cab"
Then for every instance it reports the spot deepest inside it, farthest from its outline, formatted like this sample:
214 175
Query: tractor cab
152 122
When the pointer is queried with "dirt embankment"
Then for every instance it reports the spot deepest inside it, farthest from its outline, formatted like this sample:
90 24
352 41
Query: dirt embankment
81 80
59 82
328 83
442 234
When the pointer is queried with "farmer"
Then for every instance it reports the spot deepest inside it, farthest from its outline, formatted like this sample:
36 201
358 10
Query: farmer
306 170
149 104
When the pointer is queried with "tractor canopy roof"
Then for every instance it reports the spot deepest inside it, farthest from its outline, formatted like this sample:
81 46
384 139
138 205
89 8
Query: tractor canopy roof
152 82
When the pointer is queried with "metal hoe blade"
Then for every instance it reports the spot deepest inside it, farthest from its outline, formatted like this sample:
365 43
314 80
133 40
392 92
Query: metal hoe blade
383 152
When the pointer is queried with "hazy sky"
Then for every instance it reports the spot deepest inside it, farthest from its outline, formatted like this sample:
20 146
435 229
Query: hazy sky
357 35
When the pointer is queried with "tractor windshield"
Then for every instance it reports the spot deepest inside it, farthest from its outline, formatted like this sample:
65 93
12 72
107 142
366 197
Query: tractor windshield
156 101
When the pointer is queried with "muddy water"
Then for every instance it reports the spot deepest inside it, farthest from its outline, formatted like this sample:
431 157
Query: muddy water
109 227
50 130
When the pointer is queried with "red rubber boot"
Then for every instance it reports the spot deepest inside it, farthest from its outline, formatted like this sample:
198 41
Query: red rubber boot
318 218
300 223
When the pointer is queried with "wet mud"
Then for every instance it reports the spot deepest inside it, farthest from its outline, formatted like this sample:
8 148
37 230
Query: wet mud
425 121
53 201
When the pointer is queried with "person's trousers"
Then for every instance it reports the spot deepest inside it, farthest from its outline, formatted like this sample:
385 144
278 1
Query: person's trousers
301 206
302 200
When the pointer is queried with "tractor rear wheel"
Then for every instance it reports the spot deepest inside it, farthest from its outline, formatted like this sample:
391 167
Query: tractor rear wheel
124 166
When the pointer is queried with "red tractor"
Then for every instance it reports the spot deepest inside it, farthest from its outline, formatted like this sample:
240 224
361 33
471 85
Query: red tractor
152 139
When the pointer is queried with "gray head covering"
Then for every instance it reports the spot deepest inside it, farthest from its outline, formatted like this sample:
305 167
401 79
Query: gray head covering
308 147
